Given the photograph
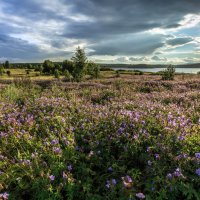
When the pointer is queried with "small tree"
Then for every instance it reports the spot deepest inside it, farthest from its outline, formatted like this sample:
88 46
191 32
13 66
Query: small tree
7 64
29 66
93 70
57 73
67 75
169 73
8 72
28 71
1 70
118 73
68 65
80 63
58 67
48 67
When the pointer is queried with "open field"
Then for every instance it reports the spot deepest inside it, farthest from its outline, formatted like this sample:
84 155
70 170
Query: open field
130 137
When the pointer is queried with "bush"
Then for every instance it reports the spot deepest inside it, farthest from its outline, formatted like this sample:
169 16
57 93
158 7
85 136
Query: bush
67 75
169 73
8 73
56 73
28 71
93 70
117 73
1 70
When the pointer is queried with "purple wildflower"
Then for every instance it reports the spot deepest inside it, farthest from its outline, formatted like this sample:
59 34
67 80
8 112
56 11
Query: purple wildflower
123 125
120 130
197 155
108 184
148 149
198 172
110 169
54 142
177 172
4 195
140 195
127 181
64 175
57 150
52 177
69 167
169 176
157 156
149 163
27 162
114 182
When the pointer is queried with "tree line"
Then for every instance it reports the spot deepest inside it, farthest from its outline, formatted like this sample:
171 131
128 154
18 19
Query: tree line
74 69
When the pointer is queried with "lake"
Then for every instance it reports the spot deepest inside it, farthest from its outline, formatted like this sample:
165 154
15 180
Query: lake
180 70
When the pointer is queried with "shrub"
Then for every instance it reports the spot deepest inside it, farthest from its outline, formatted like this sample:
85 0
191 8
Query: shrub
23 82
93 70
117 73
169 73
67 75
68 65
28 71
1 70
144 89
56 73
48 67
8 72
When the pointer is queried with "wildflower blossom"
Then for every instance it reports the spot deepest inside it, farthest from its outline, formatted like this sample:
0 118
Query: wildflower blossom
149 163
64 175
113 181
169 176
52 177
4 196
177 173
197 155
69 167
198 172
127 181
140 195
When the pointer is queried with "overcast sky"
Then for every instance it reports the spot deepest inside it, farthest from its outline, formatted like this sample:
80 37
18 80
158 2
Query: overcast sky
111 31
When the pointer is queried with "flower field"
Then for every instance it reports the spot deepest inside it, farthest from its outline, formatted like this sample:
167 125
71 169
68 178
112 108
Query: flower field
115 139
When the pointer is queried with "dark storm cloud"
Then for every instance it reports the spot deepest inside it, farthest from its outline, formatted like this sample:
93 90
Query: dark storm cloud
134 44
107 27
179 41
119 17
113 18
16 48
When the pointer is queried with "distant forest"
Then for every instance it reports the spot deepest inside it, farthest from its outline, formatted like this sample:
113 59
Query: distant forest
34 65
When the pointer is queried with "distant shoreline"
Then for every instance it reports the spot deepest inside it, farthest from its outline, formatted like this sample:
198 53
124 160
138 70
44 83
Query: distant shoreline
146 66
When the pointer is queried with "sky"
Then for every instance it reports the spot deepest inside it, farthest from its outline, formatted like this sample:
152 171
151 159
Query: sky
110 31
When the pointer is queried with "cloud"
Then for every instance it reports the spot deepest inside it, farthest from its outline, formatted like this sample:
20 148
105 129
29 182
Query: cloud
134 28
122 59
140 59
179 41
156 58
134 44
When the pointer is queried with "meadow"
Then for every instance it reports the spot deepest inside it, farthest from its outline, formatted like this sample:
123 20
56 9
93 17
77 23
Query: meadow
129 137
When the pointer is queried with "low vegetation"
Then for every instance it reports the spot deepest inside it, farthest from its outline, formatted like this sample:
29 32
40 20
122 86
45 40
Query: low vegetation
71 130
101 139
